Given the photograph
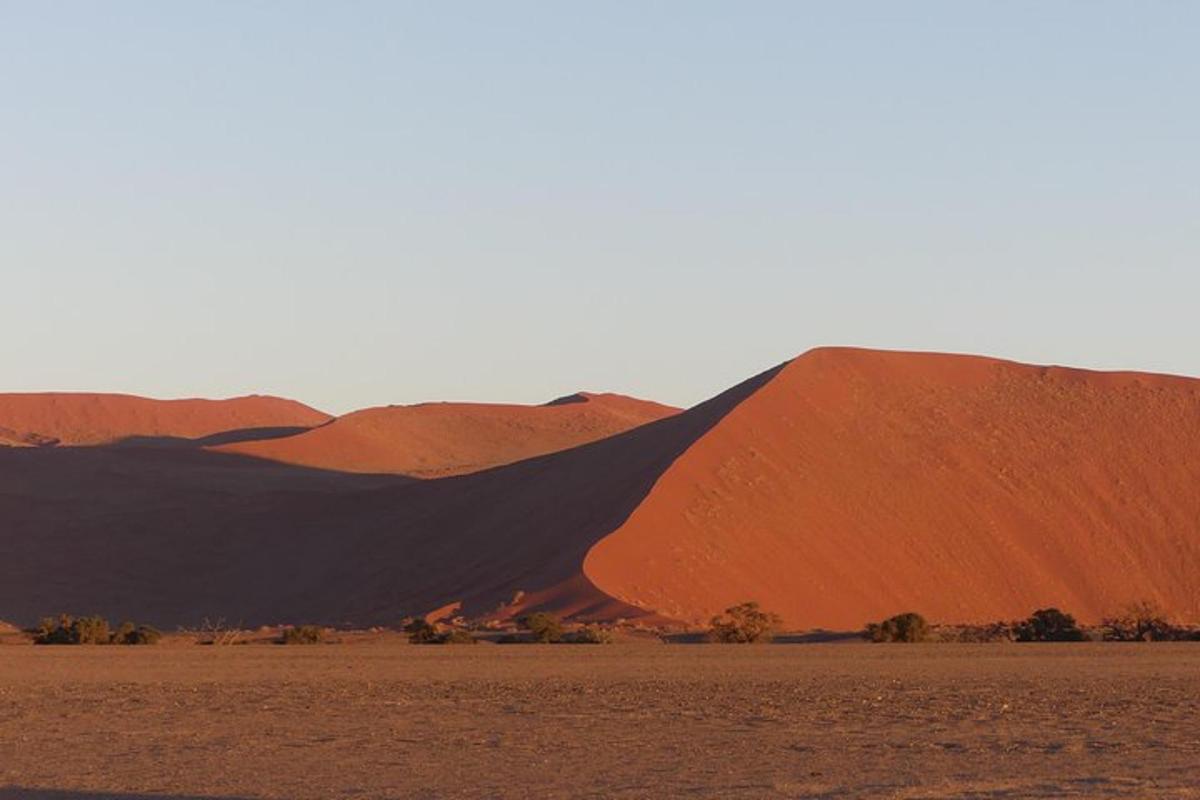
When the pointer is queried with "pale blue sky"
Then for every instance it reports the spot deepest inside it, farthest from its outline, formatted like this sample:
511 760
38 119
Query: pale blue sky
359 203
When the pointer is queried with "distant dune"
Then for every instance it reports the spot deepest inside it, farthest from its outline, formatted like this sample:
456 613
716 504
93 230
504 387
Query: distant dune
842 486
90 419
441 439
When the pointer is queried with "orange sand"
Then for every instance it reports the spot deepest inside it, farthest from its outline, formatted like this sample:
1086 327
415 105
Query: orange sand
90 419
440 439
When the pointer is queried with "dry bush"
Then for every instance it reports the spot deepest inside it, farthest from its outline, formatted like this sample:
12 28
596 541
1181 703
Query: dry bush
975 634
302 634
590 634
744 624
217 633
909 627
1049 625
1142 622
129 633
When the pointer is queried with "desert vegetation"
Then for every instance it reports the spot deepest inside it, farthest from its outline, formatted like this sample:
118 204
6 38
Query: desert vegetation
66 629
545 628
1144 621
420 631
302 634
745 623
1049 625
907 627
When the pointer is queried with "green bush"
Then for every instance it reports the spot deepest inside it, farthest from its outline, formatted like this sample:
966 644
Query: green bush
909 627
302 634
1049 625
744 624
590 634
72 630
546 628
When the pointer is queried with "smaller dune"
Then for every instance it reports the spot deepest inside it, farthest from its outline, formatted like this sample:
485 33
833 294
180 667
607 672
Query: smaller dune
434 440
57 418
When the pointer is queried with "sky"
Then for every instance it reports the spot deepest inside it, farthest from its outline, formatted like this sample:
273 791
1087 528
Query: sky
362 203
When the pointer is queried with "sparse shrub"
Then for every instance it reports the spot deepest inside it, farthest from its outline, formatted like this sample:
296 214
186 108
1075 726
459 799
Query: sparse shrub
217 633
973 634
590 634
1141 622
302 634
129 633
744 624
546 628
909 627
1049 625
457 636
72 630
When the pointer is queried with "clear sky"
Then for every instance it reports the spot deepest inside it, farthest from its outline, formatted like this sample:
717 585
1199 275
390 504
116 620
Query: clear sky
357 203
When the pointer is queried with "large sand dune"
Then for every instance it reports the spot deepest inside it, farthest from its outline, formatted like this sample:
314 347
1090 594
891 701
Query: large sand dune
840 487
65 418
857 484
441 439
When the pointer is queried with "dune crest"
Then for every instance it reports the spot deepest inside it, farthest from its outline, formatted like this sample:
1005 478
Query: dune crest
857 484
433 440
66 418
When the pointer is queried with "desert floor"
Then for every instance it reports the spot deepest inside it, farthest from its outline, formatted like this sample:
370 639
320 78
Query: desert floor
387 720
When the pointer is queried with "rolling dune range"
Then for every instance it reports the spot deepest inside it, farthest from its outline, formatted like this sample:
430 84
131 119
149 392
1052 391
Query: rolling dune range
842 486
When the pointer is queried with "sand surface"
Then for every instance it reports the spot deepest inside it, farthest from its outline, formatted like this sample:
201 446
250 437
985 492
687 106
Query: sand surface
623 721
67 418
434 440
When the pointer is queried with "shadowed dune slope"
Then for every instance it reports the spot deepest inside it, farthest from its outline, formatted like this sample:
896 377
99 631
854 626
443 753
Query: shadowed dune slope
90 419
172 536
858 484
440 439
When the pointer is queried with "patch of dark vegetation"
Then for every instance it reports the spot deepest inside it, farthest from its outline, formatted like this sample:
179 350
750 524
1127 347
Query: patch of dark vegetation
909 627
302 634
1144 622
544 628
974 634
589 634
421 631
1049 625
66 629
745 623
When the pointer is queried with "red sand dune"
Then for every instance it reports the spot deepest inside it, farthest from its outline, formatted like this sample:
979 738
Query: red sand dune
857 484
92 419
843 486
440 439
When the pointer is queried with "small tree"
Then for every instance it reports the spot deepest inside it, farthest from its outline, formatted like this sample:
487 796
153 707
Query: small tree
744 624
908 627
457 636
546 628
1140 622
1049 625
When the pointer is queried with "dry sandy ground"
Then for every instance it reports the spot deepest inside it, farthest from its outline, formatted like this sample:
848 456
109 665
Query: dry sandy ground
625 721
